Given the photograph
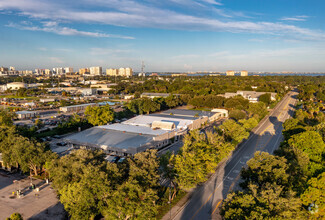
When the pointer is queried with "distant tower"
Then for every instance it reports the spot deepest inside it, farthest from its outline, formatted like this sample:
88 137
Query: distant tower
142 69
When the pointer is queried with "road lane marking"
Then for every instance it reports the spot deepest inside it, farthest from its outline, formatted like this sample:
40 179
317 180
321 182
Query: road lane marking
214 191
216 207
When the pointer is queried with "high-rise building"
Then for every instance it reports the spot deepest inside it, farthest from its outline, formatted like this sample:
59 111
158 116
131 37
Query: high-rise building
47 72
12 68
230 73
38 71
125 72
96 70
58 70
3 69
121 72
68 70
112 72
83 71
243 73
128 72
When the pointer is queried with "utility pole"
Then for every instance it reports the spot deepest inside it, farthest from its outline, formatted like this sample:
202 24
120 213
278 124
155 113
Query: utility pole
142 69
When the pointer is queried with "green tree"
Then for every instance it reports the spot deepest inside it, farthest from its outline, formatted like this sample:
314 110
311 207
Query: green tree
6 117
265 203
266 98
312 145
257 109
237 114
15 216
235 131
172 101
84 199
314 196
148 105
99 115
249 124
168 172
237 102
265 169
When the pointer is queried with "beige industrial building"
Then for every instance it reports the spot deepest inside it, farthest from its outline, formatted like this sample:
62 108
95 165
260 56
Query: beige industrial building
16 85
76 108
230 73
26 114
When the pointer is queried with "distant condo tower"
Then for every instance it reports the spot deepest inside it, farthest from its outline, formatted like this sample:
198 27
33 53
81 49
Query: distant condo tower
230 73
95 71
244 73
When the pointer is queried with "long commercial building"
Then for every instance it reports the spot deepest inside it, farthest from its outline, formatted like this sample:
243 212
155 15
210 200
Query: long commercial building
252 96
142 132
76 108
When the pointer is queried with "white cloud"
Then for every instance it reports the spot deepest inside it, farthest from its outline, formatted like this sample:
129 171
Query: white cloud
53 27
42 49
185 56
107 51
188 67
295 18
213 2
56 60
130 13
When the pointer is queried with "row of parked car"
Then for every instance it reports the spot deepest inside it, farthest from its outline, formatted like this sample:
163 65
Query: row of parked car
48 138
114 159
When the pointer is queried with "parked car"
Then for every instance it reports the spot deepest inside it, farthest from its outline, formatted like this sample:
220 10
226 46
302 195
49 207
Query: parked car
110 158
121 160
115 159
57 136
61 144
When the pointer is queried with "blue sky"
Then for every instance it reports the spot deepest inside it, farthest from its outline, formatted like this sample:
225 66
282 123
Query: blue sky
168 35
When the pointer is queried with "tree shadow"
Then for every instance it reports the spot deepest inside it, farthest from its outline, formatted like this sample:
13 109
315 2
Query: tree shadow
7 178
55 212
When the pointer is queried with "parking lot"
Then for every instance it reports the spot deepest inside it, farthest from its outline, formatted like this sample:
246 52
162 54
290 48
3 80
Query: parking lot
38 202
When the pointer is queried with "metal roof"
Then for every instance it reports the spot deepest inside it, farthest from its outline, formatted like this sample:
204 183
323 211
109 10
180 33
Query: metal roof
26 112
187 113
107 139
133 129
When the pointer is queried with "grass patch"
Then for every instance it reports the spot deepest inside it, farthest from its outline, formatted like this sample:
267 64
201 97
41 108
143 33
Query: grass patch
19 97
164 208
47 133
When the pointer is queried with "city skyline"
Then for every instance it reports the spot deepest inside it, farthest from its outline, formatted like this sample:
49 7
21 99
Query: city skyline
176 35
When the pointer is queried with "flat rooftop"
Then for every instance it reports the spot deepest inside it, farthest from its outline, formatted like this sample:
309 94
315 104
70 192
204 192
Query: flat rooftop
107 139
133 129
146 120
26 112
187 113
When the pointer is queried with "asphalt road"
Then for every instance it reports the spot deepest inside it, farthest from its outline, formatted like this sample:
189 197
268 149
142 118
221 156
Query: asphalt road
206 199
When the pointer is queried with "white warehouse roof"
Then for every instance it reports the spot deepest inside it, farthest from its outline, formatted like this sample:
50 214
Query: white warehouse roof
147 120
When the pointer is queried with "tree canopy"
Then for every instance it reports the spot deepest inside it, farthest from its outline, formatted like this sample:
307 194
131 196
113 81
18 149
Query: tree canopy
99 115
